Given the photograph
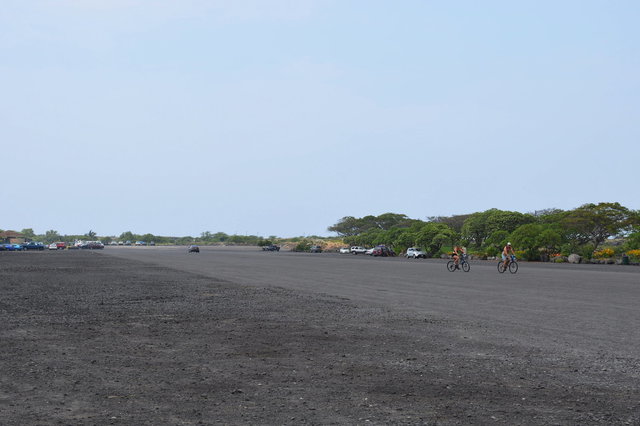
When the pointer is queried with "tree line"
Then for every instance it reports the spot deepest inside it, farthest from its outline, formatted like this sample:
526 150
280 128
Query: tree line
205 238
537 236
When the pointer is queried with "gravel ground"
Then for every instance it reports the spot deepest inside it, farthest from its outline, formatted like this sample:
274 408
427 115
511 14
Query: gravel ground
93 339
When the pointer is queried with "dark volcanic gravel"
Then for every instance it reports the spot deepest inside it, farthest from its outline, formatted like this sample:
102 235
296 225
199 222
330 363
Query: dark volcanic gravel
92 339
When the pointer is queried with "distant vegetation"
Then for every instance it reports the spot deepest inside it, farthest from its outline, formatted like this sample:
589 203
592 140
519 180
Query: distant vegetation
542 235
591 230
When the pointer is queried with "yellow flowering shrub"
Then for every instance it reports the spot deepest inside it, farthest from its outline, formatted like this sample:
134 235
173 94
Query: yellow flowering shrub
603 254
634 254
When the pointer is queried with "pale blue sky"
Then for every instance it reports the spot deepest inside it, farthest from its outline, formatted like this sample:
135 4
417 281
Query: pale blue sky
281 117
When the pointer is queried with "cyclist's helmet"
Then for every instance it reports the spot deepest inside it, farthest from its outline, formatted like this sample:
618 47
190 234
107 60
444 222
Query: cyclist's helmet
508 244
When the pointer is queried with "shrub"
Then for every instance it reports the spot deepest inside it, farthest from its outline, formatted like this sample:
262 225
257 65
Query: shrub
634 255
303 246
605 253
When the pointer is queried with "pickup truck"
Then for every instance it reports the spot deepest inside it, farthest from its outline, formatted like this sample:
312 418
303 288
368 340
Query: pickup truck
33 245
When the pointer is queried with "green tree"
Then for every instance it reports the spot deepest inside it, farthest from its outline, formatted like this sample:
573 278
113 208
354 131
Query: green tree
474 228
433 236
90 235
502 220
455 222
350 226
594 223
148 238
51 236
537 240
28 234
128 236
346 227
495 242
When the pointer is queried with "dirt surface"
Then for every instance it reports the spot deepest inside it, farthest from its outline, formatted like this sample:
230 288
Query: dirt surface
88 338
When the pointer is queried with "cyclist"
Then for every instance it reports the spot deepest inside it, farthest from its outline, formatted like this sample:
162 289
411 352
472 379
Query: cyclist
457 252
507 252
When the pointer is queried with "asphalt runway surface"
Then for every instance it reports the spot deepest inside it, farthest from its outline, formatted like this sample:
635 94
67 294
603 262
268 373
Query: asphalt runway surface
233 335
588 309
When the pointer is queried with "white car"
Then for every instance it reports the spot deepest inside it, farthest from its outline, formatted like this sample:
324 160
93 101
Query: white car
358 250
370 251
345 250
53 246
415 253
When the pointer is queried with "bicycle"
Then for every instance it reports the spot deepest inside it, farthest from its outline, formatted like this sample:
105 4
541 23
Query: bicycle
512 265
451 265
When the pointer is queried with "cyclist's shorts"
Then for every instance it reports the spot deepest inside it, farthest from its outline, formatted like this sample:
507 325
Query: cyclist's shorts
504 256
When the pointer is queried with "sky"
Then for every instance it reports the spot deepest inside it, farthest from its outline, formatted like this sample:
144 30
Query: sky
280 117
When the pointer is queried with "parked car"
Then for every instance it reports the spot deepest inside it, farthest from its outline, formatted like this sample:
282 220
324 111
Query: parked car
34 245
271 247
358 250
141 243
370 251
193 249
345 250
53 246
92 245
152 243
315 249
127 243
61 245
415 253
383 251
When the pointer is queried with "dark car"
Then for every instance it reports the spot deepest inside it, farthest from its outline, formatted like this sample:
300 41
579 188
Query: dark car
383 251
92 245
193 249
315 249
34 245
271 247
14 247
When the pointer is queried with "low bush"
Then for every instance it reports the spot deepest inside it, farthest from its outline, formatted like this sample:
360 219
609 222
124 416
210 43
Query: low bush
634 255
605 253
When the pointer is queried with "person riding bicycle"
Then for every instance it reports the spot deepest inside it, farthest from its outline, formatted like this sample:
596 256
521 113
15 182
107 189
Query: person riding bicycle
507 253
457 253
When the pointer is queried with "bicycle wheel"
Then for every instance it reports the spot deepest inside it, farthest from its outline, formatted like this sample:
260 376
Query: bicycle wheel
501 267
451 266
465 266
513 267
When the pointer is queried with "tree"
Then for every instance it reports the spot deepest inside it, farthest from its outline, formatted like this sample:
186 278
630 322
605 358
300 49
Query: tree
595 223
432 236
537 239
28 233
128 236
90 235
495 242
51 236
148 238
350 226
346 227
474 228
455 222
502 220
